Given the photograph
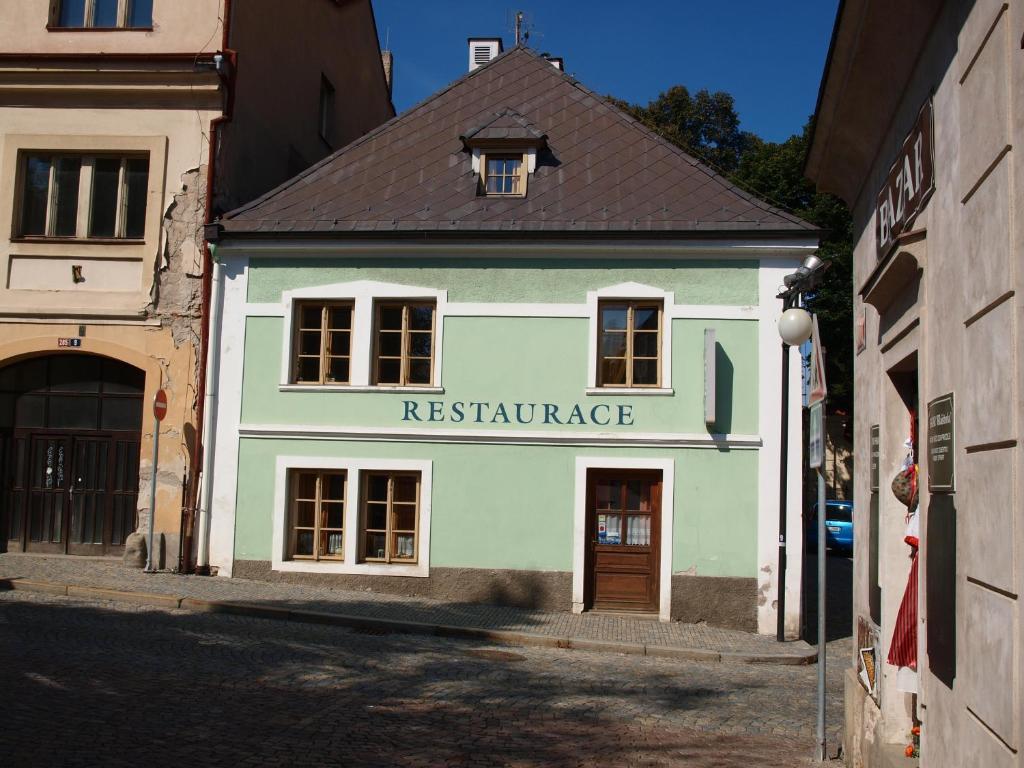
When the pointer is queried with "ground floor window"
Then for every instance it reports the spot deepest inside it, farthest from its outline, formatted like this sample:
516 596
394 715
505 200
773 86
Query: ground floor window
317 515
390 516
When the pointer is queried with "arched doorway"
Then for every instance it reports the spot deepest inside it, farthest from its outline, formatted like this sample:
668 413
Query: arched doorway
70 429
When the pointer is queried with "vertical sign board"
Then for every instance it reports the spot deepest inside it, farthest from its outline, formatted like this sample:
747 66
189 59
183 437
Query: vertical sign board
941 445
875 448
817 388
816 439
710 351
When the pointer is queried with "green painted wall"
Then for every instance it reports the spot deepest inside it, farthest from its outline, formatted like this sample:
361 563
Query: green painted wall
525 360
514 280
512 506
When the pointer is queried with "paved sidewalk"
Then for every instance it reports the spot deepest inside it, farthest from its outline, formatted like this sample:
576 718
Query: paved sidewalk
106 579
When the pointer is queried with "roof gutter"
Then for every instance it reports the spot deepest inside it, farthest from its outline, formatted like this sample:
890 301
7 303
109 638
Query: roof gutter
823 85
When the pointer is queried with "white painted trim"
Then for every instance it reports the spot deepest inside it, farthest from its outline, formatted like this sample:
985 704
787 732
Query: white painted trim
484 309
229 413
269 309
770 277
795 247
351 388
363 294
497 436
353 469
627 291
629 391
579 539
711 312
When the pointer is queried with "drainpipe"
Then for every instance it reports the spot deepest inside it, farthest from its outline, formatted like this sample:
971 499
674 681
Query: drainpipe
209 425
203 416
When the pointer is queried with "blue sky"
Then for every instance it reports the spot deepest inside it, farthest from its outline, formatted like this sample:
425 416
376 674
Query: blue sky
769 54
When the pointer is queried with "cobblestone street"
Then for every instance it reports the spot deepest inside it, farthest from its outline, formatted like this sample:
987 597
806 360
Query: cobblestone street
100 683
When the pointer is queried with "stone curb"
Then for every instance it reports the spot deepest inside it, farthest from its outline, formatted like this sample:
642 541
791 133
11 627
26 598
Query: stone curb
502 636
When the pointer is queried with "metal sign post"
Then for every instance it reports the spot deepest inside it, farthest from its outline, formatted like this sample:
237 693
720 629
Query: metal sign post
816 456
159 411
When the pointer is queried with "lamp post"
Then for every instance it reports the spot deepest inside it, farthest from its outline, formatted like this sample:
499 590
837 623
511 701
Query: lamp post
795 328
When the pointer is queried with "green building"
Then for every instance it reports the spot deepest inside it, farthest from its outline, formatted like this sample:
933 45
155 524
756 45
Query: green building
510 347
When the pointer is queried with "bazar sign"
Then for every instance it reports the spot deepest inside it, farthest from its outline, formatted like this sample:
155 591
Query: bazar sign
481 412
908 185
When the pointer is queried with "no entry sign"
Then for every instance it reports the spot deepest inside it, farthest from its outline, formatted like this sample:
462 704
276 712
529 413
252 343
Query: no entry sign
160 405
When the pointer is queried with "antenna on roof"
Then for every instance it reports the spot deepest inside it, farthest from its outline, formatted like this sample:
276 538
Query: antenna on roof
522 34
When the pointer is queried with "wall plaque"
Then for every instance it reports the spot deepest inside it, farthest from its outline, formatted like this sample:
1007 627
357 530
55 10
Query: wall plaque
908 185
941 445
875 448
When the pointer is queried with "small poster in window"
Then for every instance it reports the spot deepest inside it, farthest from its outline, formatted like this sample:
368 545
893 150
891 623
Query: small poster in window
602 529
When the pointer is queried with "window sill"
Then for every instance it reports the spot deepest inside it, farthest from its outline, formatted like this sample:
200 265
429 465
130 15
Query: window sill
619 391
357 388
81 240
362 569
54 28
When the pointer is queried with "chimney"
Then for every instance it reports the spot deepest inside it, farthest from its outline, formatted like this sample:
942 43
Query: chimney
482 50
388 59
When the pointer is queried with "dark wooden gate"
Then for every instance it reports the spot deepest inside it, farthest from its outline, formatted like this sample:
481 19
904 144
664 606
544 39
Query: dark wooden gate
69 453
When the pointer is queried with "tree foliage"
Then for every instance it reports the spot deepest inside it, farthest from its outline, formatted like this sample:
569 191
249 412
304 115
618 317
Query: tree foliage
706 125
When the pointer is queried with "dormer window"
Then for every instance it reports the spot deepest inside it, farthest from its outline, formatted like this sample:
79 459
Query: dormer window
504 175
504 151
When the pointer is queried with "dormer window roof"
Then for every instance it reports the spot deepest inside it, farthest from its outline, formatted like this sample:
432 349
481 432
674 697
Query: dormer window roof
506 129
504 153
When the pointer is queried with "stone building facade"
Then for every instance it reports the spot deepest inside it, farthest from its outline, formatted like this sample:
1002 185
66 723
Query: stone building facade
918 127
112 115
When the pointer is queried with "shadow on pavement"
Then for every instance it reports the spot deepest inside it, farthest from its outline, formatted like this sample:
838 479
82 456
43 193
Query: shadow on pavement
81 684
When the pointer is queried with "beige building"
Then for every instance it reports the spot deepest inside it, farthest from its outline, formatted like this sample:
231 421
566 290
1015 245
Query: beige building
112 114
919 126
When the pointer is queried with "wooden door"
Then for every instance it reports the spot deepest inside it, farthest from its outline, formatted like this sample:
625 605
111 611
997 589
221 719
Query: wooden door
47 490
623 540
89 497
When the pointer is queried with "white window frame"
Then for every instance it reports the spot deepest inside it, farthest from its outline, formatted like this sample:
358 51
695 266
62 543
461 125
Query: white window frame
667 468
630 292
363 294
353 467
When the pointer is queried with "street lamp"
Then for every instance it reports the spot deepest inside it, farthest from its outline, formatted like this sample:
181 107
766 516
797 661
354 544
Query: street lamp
795 327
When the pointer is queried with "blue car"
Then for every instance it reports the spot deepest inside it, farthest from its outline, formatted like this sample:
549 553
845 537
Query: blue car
838 526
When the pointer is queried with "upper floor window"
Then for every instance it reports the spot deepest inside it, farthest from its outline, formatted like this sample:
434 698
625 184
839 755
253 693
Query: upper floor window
326 125
629 344
323 343
83 196
103 14
504 175
404 343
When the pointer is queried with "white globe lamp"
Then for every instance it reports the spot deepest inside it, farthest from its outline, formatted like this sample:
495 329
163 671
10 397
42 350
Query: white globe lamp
795 326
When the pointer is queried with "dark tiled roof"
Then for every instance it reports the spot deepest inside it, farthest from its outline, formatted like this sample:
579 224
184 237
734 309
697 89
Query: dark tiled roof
602 171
